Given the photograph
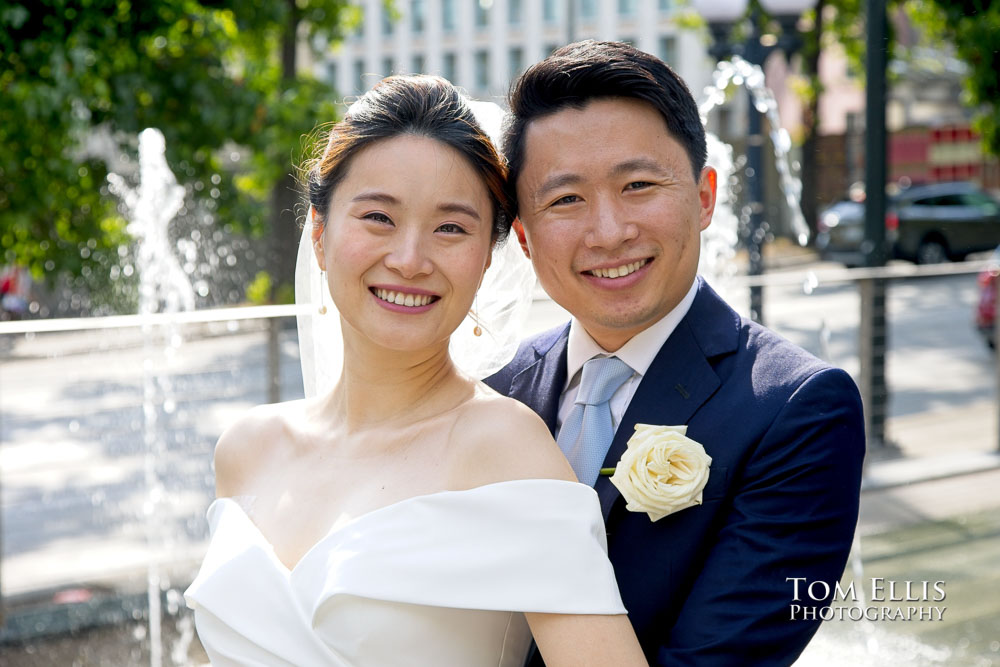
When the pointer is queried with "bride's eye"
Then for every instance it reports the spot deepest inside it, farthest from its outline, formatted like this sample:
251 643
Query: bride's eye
375 216
451 228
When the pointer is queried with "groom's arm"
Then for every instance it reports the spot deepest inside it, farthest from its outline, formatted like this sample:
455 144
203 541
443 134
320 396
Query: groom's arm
792 519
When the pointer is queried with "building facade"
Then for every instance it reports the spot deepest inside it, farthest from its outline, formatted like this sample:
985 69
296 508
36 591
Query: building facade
481 45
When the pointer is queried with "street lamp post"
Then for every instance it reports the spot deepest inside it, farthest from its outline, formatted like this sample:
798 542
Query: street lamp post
873 331
721 16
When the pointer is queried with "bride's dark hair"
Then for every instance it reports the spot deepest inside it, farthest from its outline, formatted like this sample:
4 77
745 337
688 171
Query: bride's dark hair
421 105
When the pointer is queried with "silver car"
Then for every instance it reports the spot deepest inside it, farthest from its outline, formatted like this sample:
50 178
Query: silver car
924 224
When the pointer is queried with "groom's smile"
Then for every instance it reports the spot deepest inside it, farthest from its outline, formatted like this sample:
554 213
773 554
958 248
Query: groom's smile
611 214
614 275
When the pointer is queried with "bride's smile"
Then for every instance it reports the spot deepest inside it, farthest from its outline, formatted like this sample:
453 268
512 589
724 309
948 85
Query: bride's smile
406 242
403 299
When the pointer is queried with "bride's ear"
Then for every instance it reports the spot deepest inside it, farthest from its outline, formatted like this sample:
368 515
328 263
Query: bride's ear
317 238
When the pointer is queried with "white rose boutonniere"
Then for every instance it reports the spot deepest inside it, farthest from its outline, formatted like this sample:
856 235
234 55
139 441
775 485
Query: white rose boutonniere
662 471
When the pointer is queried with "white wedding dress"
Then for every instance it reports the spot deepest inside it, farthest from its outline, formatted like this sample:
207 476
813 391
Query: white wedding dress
440 579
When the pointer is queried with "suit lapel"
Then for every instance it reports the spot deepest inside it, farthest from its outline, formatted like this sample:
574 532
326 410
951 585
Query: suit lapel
679 380
540 384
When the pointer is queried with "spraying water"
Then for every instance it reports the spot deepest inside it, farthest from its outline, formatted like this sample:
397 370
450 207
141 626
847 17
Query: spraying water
740 72
163 288
836 644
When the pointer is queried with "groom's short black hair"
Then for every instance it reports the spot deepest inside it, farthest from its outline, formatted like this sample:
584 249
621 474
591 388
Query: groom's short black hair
583 71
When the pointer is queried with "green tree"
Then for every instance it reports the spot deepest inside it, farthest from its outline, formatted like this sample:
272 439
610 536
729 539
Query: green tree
218 77
973 27
970 27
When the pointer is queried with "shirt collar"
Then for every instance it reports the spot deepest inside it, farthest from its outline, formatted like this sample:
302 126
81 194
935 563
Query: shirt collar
638 352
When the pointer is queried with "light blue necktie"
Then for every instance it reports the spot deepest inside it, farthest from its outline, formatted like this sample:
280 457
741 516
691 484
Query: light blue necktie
586 434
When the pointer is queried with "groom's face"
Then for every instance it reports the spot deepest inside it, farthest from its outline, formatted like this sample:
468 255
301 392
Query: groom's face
610 214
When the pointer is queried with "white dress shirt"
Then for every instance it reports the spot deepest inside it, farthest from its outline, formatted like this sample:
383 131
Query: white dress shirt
638 353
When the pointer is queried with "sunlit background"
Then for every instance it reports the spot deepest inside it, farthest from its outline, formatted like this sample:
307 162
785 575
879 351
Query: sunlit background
146 277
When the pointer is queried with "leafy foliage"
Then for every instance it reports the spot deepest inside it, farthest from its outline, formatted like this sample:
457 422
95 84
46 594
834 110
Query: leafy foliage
973 26
209 74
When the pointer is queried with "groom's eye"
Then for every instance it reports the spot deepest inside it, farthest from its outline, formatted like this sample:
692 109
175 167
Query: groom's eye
638 185
568 199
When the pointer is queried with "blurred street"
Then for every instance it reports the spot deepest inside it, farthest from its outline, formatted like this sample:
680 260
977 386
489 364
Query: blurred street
78 508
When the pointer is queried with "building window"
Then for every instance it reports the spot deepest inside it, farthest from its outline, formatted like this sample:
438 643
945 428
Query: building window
386 66
419 64
665 6
359 75
417 10
331 73
448 67
387 21
627 7
482 69
515 61
448 15
483 12
550 11
514 12
588 9
667 48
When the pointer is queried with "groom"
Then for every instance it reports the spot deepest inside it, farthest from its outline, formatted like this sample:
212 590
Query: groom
607 161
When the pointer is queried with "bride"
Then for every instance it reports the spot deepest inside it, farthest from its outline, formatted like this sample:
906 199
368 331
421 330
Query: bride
410 515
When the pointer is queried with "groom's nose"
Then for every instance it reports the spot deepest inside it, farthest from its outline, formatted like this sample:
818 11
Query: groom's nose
608 225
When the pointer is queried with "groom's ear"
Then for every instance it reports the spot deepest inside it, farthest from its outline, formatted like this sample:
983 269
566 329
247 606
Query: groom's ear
519 231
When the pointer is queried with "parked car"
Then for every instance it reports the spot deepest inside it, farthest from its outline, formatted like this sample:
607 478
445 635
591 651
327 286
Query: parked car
925 224
840 232
986 308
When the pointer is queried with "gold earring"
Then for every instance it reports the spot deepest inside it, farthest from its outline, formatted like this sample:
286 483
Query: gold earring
322 292
478 330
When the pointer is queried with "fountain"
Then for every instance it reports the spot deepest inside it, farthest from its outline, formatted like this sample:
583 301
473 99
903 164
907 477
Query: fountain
739 72
163 287
837 643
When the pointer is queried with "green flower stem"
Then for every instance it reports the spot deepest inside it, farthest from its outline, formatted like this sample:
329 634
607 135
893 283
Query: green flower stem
607 472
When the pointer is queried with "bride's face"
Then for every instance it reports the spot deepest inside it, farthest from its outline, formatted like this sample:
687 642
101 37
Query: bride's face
406 241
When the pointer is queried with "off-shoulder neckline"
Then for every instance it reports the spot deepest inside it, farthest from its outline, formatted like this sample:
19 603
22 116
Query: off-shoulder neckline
334 530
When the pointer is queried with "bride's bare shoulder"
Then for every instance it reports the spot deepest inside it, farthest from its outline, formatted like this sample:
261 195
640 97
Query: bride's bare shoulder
503 439
247 444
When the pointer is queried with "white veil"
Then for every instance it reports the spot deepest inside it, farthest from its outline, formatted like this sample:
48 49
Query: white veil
501 307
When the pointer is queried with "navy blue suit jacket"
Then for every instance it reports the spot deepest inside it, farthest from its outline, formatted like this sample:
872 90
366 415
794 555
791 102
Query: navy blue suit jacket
709 585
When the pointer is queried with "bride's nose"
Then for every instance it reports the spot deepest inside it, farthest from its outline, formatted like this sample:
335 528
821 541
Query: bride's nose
407 255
